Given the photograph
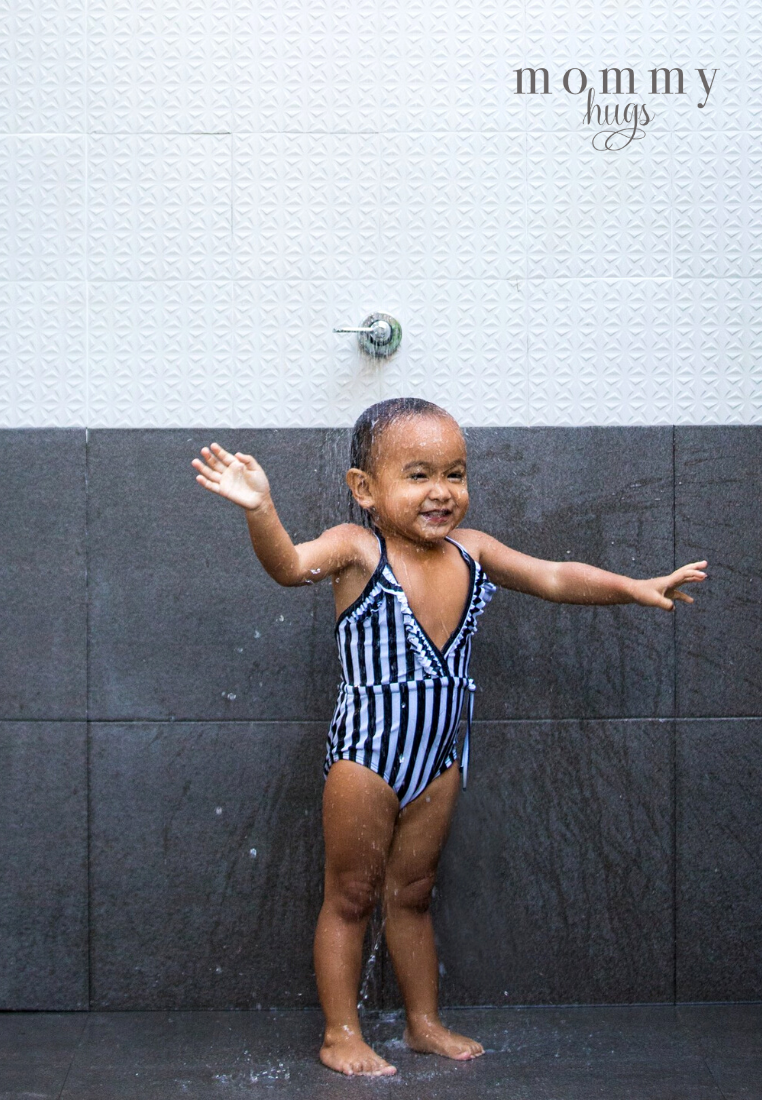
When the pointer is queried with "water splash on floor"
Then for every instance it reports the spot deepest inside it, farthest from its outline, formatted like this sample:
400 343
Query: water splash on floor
254 1074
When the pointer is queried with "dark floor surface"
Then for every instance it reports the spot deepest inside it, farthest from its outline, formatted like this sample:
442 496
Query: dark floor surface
644 1052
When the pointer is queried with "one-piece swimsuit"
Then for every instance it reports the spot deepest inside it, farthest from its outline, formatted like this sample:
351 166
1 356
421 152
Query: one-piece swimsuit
401 697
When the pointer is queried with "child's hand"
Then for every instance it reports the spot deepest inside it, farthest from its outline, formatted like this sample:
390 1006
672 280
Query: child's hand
663 591
237 477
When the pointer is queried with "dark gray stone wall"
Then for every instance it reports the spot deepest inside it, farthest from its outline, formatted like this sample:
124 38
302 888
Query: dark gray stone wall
43 641
164 705
43 857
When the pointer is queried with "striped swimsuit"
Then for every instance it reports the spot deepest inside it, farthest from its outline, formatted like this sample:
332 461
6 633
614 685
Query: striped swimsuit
400 702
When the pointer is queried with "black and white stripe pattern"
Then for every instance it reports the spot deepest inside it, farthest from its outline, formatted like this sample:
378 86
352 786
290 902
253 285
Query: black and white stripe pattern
401 698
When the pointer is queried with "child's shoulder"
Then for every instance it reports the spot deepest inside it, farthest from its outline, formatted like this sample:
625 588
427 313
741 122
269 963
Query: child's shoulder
352 532
470 539
357 545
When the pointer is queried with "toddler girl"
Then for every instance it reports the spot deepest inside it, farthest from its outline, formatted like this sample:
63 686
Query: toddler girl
407 598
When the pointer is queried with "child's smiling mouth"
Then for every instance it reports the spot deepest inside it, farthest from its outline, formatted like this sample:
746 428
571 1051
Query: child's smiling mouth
437 515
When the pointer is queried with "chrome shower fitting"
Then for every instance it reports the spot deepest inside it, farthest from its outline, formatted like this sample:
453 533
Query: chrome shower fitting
380 334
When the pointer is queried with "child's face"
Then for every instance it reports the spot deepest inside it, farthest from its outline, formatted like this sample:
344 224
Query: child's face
417 487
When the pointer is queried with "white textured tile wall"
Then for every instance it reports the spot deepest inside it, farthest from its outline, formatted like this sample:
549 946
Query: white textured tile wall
193 193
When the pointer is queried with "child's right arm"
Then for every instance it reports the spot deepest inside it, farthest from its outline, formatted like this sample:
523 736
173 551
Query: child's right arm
242 480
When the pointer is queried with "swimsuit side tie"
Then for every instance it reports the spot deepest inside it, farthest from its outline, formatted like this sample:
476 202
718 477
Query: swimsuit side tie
467 739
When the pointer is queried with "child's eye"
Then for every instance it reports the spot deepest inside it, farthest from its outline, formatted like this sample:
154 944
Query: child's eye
415 477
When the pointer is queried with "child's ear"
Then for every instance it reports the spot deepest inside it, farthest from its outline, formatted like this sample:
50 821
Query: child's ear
359 485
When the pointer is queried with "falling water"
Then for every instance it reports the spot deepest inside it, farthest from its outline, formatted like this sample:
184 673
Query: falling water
376 937
335 462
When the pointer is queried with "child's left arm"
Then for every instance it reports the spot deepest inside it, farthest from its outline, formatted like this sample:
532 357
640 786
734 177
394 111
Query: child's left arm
575 582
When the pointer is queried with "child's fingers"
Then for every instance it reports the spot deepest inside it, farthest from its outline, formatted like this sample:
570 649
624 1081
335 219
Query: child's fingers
677 595
215 461
222 454
207 483
211 475
694 568
249 460
687 573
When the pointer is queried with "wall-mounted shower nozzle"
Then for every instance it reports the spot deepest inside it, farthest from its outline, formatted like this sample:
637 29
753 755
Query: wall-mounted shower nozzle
379 334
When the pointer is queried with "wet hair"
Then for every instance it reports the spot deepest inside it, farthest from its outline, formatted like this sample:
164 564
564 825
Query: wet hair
370 426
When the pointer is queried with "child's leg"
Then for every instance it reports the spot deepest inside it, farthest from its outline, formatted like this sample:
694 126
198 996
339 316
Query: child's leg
359 811
418 840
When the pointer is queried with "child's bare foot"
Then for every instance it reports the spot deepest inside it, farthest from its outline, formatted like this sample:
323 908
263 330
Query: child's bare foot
432 1037
346 1052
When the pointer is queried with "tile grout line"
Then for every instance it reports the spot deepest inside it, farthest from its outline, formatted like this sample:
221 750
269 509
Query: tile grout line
88 798
232 266
526 289
674 736
88 803
87 227
527 285
325 722
379 993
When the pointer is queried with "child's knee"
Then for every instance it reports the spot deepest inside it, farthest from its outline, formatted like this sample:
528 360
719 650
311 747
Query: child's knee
415 895
354 896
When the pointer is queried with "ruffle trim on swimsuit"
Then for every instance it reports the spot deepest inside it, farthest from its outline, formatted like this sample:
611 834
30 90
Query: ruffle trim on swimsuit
431 662
385 584
484 590
370 603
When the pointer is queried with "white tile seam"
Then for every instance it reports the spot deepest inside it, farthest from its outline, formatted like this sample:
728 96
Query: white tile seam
673 299
87 214
147 132
527 283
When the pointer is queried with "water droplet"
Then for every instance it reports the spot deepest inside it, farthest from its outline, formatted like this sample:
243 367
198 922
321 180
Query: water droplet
253 853
231 696
314 571
279 619
218 970
239 649
218 810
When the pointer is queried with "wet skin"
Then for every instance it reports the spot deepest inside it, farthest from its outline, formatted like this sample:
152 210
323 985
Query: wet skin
417 493
374 850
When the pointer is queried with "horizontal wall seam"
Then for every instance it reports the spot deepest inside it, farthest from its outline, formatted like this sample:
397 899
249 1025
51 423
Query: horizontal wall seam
321 722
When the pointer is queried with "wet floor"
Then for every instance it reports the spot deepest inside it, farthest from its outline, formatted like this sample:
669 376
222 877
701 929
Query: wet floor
695 1052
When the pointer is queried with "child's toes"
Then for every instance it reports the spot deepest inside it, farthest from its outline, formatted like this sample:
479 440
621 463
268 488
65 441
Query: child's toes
472 1050
378 1067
